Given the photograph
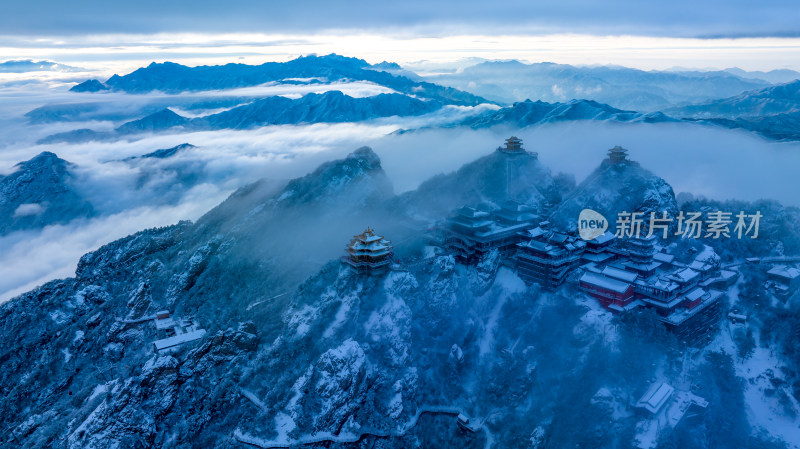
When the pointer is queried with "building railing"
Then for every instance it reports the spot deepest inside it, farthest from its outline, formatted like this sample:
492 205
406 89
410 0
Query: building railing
364 263
547 260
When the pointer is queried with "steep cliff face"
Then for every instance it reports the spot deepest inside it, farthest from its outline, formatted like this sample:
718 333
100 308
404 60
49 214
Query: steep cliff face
369 353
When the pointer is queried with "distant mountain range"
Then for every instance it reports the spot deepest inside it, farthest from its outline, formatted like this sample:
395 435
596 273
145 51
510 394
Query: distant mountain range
29 65
620 87
773 112
170 77
409 97
328 107
785 126
89 86
776 76
731 98
528 113
772 100
159 121
335 107
106 109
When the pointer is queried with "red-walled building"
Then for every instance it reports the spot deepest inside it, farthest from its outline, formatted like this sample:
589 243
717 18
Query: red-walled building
612 293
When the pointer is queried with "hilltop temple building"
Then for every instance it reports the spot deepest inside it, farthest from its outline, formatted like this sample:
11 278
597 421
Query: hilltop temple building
641 252
173 333
369 252
514 146
471 232
783 280
547 256
617 155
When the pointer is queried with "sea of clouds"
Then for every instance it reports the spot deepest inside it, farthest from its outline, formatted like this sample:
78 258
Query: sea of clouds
135 195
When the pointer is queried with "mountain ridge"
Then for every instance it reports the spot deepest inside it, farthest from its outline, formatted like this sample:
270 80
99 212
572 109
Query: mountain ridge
620 87
328 107
773 100
171 77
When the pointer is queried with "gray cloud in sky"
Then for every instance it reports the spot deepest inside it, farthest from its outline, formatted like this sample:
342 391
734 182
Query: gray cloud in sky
681 18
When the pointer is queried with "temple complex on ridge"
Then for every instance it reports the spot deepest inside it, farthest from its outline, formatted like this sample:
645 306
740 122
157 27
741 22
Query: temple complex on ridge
622 274
369 252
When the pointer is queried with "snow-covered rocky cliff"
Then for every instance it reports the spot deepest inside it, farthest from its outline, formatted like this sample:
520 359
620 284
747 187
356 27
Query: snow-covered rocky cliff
298 348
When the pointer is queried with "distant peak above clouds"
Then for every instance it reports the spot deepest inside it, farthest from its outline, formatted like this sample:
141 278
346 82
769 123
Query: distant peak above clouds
91 85
170 77
29 65
39 193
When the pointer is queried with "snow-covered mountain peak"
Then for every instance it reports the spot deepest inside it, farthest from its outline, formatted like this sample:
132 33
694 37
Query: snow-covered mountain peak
615 187
40 192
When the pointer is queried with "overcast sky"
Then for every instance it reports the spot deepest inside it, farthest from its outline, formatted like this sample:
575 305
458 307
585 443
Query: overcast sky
118 36
674 18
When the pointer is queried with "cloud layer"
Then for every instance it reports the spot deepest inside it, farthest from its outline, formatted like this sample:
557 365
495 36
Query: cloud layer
675 18
134 195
